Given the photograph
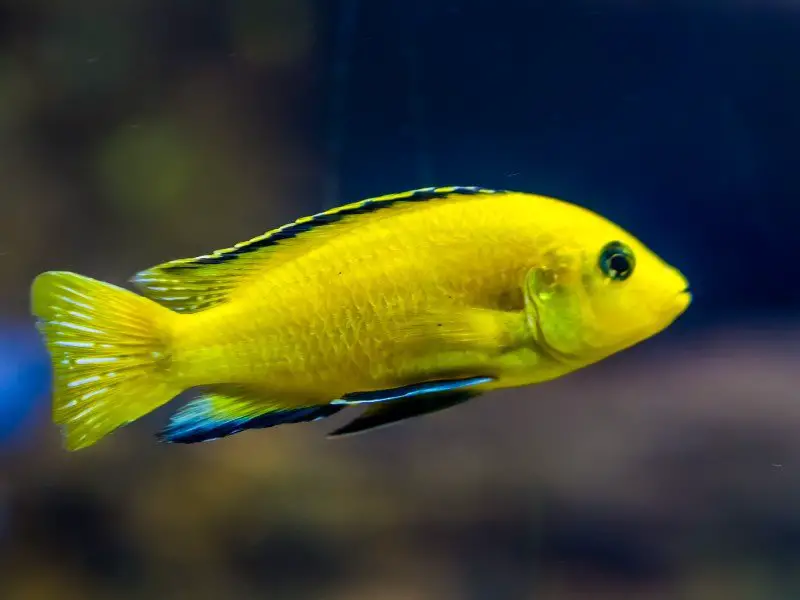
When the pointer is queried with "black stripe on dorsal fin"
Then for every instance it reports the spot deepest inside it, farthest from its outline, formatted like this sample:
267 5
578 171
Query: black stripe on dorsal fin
328 217
194 284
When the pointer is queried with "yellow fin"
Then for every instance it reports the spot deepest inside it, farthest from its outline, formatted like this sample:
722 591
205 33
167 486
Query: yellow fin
110 351
194 284
462 328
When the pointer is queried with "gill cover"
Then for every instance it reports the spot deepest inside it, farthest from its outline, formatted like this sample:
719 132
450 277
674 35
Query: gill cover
556 307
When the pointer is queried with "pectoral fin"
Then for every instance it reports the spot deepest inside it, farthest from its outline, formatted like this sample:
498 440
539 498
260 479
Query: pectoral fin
479 329
383 415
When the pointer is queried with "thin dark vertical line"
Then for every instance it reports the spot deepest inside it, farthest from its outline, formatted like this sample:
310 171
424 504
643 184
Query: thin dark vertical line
343 44
416 108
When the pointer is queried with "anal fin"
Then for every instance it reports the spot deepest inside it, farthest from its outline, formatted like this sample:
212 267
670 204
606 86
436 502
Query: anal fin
227 410
390 413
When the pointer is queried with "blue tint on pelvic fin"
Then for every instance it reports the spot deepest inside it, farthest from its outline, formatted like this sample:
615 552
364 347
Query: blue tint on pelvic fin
196 422
383 414
408 391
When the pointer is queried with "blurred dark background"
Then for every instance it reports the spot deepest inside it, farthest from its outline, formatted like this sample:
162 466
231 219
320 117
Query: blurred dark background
135 131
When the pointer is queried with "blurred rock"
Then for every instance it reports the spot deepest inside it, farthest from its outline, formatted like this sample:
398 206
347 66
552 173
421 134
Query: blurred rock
673 465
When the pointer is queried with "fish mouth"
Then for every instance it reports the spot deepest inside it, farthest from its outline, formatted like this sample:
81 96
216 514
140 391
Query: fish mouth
685 296
679 303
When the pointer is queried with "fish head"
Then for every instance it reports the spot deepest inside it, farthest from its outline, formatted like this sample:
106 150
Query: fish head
598 291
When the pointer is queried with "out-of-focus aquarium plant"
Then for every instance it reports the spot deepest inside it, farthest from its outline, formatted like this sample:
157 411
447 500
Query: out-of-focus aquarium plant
134 132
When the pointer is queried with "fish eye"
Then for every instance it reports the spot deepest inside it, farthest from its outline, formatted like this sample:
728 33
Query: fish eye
617 261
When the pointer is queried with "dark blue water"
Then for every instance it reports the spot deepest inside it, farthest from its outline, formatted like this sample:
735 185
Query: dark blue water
677 120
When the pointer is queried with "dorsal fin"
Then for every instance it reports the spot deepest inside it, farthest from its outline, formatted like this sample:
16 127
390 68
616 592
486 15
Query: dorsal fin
194 284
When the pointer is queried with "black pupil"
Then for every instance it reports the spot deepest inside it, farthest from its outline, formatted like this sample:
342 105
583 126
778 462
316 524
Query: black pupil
619 264
617 261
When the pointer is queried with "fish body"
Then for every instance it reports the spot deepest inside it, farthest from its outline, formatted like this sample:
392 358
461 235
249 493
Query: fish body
360 312
409 303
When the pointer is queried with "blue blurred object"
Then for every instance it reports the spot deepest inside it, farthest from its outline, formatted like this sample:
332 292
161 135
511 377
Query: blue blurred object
24 376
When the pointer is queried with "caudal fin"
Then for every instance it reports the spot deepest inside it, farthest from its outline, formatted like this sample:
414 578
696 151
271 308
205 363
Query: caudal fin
110 350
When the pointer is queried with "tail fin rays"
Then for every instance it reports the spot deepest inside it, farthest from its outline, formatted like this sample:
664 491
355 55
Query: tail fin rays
110 351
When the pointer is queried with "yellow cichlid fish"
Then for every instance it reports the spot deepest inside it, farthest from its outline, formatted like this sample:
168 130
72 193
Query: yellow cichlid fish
408 303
